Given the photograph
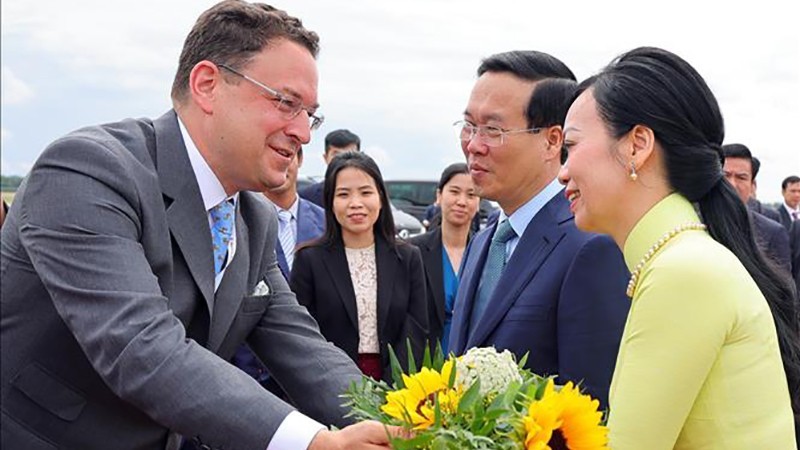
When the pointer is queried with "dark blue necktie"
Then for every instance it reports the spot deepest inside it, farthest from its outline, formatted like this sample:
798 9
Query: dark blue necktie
495 263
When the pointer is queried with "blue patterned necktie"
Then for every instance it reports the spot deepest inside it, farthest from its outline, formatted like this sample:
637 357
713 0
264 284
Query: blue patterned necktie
286 235
495 263
221 232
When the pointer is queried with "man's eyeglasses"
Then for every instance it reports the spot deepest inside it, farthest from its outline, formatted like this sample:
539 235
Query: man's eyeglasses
290 107
487 135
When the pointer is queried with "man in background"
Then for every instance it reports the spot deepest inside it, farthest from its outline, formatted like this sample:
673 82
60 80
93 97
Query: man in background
337 141
740 172
790 210
753 203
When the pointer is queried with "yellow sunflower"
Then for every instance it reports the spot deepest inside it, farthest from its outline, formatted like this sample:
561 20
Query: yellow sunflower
573 414
415 403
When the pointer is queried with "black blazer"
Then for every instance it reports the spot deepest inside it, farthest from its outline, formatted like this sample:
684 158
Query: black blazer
321 280
430 246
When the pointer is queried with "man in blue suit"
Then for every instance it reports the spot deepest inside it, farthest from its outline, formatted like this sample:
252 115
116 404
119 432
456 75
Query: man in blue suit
533 283
299 221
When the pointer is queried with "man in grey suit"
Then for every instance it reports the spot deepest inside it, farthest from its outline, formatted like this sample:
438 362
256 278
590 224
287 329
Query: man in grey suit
118 314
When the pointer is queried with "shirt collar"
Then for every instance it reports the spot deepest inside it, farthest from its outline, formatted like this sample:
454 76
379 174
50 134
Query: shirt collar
789 208
292 209
210 188
524 214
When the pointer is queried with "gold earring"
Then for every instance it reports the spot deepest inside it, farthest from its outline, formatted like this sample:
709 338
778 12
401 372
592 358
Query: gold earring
633 176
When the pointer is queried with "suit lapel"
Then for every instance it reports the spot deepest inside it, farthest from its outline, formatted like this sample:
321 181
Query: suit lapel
470 273
308 223
387 266
432 258
186 214
536 244
339 272
233 285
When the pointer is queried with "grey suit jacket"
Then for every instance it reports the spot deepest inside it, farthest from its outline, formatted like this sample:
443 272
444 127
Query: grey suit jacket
112 334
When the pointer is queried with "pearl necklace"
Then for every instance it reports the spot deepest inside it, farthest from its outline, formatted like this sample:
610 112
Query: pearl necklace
654 249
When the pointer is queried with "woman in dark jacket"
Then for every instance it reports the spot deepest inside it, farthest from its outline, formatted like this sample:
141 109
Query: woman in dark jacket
443 247
366 290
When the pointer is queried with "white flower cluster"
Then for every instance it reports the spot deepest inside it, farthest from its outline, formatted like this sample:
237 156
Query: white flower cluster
495 370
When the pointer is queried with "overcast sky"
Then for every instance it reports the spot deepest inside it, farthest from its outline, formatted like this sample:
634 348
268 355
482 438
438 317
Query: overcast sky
396 73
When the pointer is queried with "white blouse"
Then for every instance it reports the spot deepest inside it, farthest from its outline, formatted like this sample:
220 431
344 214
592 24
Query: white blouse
364 274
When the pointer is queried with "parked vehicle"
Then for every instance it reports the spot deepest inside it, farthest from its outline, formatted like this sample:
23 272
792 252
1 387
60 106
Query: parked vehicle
405 224
414 197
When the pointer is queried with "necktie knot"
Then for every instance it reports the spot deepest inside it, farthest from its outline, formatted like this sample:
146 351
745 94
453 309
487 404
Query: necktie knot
286 236
221 232
504 232
284 216
795 215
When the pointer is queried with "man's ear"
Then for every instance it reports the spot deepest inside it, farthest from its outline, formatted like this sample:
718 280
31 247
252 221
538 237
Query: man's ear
204 80
554 136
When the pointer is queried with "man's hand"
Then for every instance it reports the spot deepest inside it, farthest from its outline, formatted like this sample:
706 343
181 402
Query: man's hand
369 435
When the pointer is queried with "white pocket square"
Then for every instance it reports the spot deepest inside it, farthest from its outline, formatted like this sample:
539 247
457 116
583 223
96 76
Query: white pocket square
261 289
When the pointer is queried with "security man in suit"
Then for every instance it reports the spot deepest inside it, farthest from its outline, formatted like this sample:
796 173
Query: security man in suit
740 170
135 261
533 283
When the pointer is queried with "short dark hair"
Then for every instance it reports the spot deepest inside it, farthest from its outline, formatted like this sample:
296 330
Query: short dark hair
341 138
741 151
791 179
450 171
233 31
384 226
550 99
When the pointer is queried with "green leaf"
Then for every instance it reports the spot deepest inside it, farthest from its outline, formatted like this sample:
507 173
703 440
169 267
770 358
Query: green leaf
524 359
426 357
412 365
397 371
438 356
437 412
420 440
470 397
452 381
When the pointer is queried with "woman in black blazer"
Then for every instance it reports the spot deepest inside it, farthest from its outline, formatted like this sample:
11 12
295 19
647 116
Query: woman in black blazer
365 289
443 247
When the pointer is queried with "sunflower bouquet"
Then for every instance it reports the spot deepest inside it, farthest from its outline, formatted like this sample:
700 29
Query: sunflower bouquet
484 399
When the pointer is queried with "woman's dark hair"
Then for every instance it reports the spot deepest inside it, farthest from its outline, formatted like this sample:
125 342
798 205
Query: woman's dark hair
447 174
384 226
655 88
450 171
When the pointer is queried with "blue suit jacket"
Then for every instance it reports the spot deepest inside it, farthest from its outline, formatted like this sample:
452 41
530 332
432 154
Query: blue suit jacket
313 193
310 225
561 298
